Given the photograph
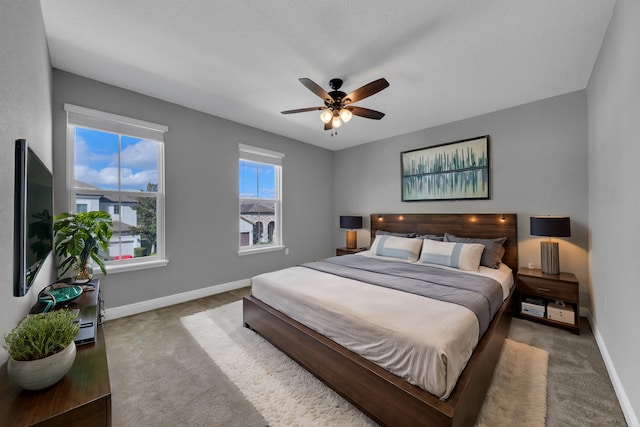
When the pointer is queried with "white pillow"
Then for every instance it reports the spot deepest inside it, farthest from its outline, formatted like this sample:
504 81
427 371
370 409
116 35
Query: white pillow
464 256
397 247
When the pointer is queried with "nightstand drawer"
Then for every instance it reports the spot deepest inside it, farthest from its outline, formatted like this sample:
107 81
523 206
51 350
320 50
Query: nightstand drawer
548 289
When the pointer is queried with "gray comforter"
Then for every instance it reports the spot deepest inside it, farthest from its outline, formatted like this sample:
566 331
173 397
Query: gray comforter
482 295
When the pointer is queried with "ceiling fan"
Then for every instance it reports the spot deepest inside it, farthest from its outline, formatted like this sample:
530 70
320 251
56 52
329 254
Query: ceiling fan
338 108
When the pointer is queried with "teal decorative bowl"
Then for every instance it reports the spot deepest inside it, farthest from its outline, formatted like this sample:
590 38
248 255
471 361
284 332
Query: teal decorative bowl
59 296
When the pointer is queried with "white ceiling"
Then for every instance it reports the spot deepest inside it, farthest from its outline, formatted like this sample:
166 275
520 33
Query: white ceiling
445 60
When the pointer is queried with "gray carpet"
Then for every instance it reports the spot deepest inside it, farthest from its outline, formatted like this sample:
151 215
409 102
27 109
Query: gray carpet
579 392
161 377
287 395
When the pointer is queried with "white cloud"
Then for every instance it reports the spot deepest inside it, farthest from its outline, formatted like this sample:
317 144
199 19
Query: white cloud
86 156
138 180
103 178
108 177
141 155
139 166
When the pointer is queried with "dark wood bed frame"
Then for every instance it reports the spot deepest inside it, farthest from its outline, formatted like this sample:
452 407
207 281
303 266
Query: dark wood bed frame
384 397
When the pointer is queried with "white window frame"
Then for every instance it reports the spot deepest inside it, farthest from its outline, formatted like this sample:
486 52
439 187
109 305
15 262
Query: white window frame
262 155
108 122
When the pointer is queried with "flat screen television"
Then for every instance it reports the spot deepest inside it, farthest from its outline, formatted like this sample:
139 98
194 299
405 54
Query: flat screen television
33 217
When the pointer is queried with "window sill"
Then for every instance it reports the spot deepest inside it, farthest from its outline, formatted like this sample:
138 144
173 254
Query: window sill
252 251
121 267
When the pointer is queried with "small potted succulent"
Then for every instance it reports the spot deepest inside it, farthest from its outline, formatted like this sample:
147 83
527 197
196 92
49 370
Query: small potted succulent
41 349
80 238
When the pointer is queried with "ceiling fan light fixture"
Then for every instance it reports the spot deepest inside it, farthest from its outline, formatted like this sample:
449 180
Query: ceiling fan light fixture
337 121
338 108
345 115
326 116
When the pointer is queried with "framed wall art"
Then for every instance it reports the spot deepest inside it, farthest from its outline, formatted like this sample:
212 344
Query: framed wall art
456 170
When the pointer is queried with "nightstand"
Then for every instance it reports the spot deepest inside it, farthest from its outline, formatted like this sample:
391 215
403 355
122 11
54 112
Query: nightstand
538 289
345 251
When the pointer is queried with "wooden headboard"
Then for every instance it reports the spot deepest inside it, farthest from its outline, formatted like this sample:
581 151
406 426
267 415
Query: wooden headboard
486 226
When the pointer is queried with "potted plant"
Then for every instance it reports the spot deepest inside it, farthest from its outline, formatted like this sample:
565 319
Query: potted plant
79 238
41 349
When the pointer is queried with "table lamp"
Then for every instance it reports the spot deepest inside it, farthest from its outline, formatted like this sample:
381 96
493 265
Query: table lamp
351 223
550 226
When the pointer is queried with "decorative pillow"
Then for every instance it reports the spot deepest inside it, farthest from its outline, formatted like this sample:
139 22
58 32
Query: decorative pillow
374 244
493 248
397 247
465 256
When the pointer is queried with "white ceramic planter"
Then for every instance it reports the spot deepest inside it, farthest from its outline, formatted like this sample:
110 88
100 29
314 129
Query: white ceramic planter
42 373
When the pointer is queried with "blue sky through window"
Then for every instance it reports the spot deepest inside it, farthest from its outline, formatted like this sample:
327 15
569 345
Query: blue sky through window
96 160
257 180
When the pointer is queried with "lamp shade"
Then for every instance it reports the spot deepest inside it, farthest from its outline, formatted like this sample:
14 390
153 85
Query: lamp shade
350 222
345 115
550 226
326 116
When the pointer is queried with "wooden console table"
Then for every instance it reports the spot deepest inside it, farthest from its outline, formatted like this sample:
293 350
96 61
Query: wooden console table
81 398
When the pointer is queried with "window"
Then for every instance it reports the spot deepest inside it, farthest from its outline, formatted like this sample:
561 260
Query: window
260 195
115 164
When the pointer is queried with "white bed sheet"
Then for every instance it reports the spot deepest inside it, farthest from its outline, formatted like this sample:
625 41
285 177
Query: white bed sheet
424 341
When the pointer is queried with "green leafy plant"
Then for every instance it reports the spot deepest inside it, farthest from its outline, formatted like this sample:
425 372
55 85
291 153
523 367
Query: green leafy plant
146 219
41 335
79 238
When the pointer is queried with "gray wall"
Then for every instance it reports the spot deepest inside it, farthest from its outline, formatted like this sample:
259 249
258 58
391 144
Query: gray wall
539 166
614 200
538 155
25 112
201 153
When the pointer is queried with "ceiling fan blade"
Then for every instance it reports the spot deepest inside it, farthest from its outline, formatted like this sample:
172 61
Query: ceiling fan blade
315 88
366 112
304 110
366 90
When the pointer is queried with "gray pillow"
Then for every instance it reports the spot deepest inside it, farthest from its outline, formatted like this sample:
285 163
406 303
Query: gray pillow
388 233
437 238
493 248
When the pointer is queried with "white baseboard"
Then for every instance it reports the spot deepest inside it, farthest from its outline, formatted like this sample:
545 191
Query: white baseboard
141 307
627 409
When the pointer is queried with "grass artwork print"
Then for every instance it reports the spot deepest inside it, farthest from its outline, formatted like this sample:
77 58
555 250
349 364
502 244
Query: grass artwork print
456 170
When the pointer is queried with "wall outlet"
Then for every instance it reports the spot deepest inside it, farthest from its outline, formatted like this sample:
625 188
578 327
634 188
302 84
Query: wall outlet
286 251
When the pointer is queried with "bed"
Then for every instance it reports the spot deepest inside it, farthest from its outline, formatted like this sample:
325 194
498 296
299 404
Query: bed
385 397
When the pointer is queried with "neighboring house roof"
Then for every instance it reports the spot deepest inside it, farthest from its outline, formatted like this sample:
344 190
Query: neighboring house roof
256 208
82 184
121 227
104 199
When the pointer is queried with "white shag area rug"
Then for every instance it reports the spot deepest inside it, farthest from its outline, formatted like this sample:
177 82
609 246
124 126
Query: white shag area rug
289 396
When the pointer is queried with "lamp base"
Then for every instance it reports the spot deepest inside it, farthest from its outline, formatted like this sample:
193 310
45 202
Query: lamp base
550 257
352 239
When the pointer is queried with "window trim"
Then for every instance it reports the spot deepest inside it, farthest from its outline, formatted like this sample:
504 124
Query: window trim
262 155
114 123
